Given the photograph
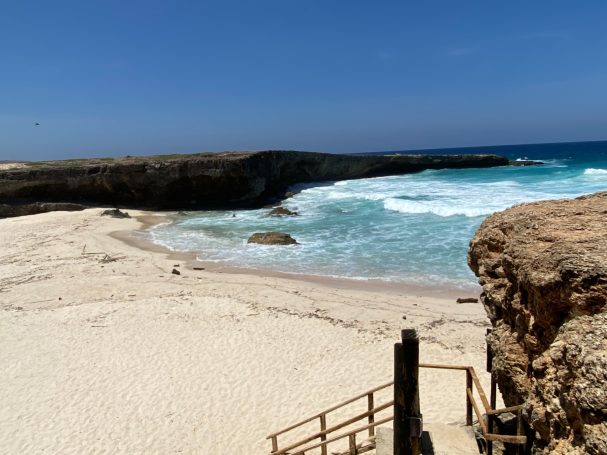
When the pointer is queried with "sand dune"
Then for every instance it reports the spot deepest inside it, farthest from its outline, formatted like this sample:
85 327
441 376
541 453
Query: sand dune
115 354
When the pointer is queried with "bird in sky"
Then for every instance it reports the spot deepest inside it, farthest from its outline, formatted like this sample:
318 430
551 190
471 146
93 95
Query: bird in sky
36 124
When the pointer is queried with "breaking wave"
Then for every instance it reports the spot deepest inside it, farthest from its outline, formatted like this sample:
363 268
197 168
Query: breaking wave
440 209
594 171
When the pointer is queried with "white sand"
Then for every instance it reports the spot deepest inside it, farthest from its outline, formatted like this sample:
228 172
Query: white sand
125 357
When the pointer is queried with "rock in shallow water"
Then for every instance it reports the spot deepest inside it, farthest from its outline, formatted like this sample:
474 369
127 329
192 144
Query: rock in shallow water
272 238
282 211
543 268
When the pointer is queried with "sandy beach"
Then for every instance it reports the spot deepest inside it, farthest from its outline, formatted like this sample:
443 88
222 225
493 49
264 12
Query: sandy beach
105 350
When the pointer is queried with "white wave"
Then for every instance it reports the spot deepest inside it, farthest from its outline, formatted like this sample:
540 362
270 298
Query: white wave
551 162
440 209
500 184
593 171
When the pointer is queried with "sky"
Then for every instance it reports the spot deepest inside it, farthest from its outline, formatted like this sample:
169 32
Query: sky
111 78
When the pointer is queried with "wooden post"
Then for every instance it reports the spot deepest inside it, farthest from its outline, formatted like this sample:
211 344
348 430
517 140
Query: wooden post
370 406
274 444
352 443
492 398
407 415
489 353
519 430
323 427
468 402
491 418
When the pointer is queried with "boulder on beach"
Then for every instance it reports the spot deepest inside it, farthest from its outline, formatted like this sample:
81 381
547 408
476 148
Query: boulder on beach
115 213
272 238
282 211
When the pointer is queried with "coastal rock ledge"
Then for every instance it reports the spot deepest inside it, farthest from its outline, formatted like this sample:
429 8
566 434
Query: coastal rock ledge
543 268
202 181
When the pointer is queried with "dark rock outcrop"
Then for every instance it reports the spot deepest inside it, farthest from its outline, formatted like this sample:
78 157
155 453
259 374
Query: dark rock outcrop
115 213
543 268
526 163
210 180
23 209
282 211
272 238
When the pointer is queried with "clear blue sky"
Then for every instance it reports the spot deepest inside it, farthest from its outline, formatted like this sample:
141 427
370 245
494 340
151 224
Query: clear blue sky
141 77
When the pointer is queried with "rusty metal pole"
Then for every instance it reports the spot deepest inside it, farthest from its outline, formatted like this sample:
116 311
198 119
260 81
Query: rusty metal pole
407 415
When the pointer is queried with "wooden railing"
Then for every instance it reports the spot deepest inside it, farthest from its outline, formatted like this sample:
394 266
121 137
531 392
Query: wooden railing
487 427
324 433
325 438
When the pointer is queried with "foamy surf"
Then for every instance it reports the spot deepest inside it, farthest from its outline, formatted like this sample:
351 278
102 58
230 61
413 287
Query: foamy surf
594 171
411 228
439 209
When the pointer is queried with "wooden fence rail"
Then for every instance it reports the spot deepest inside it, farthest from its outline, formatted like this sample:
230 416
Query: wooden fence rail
369 415
325 435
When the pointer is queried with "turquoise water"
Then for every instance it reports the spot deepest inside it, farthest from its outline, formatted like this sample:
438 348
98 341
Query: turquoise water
412 229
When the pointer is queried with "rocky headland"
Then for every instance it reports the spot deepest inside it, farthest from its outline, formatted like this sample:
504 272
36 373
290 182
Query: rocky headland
200 181
543 268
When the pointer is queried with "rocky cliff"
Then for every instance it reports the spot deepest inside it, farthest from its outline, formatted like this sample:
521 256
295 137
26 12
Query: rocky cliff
543 268
205 180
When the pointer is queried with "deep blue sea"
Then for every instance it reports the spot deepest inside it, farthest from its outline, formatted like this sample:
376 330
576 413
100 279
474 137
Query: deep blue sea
412 229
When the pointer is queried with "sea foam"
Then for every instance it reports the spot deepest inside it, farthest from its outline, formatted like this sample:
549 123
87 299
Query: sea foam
594 171
440 209
412 228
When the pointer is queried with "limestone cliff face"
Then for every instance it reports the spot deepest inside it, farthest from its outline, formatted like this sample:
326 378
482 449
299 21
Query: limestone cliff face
205 180
543 268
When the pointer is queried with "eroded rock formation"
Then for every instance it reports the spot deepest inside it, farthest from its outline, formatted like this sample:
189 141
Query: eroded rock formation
205 180
543 268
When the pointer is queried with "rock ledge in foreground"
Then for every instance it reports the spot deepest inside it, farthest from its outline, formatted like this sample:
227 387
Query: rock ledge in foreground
543 268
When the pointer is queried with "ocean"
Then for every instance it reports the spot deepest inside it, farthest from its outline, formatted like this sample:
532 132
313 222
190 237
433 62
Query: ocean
412 229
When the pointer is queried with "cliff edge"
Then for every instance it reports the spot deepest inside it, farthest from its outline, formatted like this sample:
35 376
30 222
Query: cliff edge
202 181
543 269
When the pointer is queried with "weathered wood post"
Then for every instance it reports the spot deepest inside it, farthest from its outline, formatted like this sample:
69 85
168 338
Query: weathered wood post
323 437
370 407
490 418
407 415
468 402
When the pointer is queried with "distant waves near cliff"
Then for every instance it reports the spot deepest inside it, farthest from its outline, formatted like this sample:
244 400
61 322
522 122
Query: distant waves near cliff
412 228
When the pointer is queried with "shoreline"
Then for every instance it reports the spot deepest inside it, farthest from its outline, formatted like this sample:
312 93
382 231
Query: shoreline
151 219
104 347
